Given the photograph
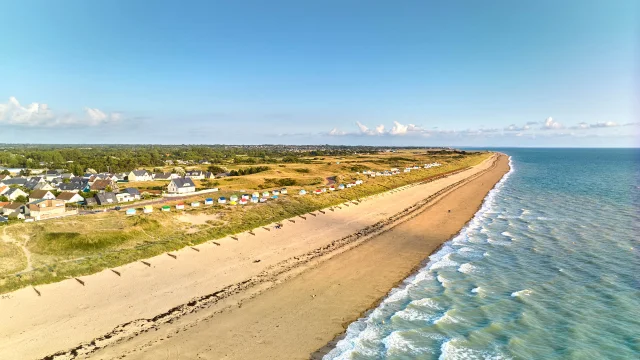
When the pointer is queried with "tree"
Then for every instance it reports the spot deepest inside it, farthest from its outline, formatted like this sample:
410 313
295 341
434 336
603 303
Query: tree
215 169
21 199
3 198
108 188
5 172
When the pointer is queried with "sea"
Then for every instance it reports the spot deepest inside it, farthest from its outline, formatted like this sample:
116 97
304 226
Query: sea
549 268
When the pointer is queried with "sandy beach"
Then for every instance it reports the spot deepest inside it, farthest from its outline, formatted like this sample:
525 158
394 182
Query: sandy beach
270 294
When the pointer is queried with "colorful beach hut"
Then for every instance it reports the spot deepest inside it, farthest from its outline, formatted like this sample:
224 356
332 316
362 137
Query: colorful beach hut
232 202
166 208
275 192
233 198
317 192
332 188
180 207
265 194
283 191
147 209
222 200
254 199
341 187
130 212
208 201
195 204
264 199
274 197
245 196
303 192
255 195
243 201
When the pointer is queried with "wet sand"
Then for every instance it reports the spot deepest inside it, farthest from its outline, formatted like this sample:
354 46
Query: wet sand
221 302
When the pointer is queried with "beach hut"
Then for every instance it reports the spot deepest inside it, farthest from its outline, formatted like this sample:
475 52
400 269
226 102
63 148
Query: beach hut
283 191
264 199
166 208
332 188
180 207
208 201
275 192
233 198
303 192
274 197
222 200
254 199
243 201
341 187
265 194
324 189
245 196
255 194
373 175
233 202
130 212
359 182
407 170
195 204
147 209
317 192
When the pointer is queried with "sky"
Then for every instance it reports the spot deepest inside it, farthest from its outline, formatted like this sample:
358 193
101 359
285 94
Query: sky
433 73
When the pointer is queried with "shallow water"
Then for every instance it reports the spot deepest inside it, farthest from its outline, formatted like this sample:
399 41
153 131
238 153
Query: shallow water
549 268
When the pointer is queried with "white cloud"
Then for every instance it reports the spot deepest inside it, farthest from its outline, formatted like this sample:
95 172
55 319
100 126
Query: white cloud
513 127
40 115
399 129
336 132
551 124
380 129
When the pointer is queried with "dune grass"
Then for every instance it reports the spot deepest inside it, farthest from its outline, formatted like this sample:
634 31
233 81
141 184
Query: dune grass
83 245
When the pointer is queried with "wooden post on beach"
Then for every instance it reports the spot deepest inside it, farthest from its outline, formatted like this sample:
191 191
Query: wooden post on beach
252 233
115 272
80 281
266 228
217 243
331 209
293 221
322 211
36 290
345 204
313 214
173 256
193 248
234 238
146 263
302 217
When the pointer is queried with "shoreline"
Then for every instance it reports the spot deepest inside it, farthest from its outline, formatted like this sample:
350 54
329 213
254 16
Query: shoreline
141 295
286 319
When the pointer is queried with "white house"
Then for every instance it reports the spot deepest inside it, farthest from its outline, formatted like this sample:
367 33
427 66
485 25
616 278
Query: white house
124 197
41 195
139 175
70 197
181 186
195 174
14 193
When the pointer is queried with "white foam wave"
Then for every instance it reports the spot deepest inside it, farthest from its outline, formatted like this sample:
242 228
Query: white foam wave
521 293
444 262
452 351
475 290
413 314
467 268
498 242
447 319
427 303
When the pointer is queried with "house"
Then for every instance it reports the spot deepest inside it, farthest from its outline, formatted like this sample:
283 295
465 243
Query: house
139 175
195 174
209 175
3 189
19 181
90 201
5 177
164 176
106 198
46 209
14 193
124 197
44 186
41 195
221 175
70 197
52 174
135 193
181 186
33 182
104 185
14 210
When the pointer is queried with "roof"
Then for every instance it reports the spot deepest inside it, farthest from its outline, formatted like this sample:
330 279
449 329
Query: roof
104 198
66 195
71 186
162 175
13 206
132 191
38 194
12 190
3 204
194 172
183 182
101 184
15 181
140 172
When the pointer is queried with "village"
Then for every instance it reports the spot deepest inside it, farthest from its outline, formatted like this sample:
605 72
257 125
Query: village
51 194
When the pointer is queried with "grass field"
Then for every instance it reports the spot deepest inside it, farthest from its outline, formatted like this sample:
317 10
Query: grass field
81 245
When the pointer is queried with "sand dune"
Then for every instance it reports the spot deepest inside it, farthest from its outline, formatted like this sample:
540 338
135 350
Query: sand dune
198 292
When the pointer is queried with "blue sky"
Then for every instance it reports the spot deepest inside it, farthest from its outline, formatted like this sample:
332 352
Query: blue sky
497 73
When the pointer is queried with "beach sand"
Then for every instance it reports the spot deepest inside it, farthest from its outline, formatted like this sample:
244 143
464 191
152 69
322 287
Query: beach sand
272 294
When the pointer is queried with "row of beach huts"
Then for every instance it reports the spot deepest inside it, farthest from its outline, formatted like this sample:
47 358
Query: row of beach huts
244 199
396 171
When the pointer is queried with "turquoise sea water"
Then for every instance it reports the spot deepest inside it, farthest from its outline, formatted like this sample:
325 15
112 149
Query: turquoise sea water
549 268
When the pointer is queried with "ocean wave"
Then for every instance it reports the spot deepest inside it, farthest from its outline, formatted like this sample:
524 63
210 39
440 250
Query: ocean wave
467 268
413 314
427 303
475 290
444 262
499 242
452 351
521 293
447 319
